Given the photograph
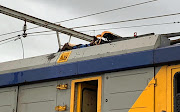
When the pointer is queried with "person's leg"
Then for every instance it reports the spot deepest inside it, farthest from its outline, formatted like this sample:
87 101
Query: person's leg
72 45
67 46
93 41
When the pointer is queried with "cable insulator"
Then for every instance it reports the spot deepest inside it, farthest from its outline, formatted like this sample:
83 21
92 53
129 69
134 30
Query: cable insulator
24 30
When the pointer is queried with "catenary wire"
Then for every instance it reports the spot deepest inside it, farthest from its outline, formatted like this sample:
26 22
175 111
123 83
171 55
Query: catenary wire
42 34
9 38
145 25
11 33
125 27
17 37
142 3
7 42
125 21
130 20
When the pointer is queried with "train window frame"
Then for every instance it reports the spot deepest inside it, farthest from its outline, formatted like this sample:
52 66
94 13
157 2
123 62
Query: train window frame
99 91
175 90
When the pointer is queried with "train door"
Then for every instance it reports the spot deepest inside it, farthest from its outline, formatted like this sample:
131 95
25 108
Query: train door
86 95
173 89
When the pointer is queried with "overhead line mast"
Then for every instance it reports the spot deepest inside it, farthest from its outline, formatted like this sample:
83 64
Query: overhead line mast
44 23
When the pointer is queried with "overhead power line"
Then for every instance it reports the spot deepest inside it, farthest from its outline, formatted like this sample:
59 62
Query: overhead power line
130 20
113 28
42 34
14 39
124 27
145 25
124 21
6 42
11 33
142 3
9 38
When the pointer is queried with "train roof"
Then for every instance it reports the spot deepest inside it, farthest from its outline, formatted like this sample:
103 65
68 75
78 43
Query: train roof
121 55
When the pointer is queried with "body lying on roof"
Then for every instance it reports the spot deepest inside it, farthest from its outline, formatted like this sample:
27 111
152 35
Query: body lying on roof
96 41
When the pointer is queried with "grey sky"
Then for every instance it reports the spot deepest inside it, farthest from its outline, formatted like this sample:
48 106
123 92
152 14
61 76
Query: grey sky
58 10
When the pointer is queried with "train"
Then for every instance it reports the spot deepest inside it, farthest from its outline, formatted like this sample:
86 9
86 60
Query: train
140 74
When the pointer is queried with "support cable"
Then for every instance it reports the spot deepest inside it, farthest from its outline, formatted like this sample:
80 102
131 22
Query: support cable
125 27
14 39
6 42
136 26
120 22
9 38
22 46
20 38
142 3
130 20
11 32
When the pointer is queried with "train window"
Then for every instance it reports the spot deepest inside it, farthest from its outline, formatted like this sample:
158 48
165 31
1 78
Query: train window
177 92
86 95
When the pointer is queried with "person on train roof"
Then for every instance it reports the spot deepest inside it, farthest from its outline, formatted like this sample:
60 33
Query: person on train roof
96 41
69 46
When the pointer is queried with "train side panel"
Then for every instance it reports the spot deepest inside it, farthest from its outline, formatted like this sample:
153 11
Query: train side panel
8 96
130 90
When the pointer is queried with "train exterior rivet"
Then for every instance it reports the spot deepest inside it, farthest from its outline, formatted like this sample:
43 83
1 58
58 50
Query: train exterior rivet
107 77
